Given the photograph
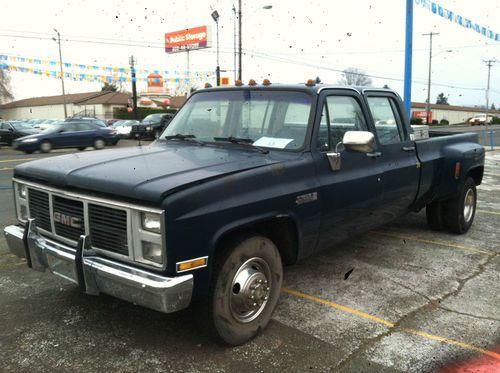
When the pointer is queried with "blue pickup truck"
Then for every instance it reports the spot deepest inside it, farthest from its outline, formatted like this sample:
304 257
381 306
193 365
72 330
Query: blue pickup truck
244 180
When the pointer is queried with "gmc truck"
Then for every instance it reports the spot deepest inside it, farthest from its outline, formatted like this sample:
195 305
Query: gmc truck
244 180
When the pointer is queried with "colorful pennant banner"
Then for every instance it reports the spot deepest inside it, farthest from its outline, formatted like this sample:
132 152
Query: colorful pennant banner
33 63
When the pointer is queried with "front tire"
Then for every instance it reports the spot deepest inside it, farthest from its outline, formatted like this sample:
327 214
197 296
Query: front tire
99 144
460 211
45 146
246 288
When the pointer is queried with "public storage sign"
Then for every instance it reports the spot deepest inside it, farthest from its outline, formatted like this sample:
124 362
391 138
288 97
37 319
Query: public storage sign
191 38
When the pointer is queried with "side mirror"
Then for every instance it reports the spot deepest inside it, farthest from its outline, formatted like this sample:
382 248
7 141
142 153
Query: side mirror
359 141
354 141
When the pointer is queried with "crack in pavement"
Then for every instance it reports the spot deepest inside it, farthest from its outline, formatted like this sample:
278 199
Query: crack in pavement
397 326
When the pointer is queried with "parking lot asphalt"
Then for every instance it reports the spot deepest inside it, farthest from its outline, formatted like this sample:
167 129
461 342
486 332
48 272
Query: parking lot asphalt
401 298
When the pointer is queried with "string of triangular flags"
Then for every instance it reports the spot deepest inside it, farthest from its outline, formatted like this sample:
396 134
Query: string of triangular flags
93 73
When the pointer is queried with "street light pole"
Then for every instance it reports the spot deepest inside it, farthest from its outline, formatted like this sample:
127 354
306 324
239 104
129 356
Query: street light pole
428 114
215 16
62 72
239 36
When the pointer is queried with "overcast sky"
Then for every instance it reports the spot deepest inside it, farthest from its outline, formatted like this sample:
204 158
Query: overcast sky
293 41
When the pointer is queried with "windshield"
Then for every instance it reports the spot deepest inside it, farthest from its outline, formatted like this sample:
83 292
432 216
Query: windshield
153 118
272 119
53 128
21 125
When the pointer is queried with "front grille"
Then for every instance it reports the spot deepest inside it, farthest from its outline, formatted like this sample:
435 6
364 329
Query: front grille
138 128
39 208
108 228
68 217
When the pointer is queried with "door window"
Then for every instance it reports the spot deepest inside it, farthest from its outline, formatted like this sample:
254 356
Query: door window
386 119
340 114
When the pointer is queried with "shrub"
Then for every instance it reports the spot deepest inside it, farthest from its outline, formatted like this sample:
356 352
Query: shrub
435 122
444 122
416 121
142 112
495 120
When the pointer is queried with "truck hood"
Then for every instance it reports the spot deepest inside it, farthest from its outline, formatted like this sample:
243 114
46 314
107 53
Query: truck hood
144 173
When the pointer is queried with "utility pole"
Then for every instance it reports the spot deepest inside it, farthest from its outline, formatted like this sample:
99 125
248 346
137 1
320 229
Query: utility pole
489 63
234 41
429 80
134 87
62 72
239 41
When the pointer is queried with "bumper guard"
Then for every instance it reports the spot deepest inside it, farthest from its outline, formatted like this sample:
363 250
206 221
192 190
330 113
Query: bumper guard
95 275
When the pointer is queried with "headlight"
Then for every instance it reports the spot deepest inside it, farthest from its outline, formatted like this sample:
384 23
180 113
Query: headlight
29 140
22 191
152 252
151 222
148 128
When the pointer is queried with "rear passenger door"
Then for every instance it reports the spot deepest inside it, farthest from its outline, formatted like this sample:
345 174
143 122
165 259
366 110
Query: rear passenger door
400 178
350 196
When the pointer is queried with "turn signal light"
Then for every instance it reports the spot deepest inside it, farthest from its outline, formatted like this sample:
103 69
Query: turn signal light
238 83
192 264
457 170
266 82
208 85
310 83
252 82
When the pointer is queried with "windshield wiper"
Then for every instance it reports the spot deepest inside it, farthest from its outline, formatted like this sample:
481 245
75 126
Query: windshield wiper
179 136
241 141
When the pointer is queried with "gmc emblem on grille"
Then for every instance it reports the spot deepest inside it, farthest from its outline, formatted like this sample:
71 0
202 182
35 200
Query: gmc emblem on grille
70 221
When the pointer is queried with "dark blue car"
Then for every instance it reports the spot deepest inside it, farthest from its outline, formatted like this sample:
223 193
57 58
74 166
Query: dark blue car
68 135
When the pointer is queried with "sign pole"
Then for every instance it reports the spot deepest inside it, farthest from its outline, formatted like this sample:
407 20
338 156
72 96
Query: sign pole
408 56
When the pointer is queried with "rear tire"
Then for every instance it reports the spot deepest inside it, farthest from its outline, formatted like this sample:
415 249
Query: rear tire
460 211
99 143
245 288
434 212
45 146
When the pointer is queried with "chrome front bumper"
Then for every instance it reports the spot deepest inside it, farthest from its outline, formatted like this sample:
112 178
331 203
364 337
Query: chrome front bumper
95 275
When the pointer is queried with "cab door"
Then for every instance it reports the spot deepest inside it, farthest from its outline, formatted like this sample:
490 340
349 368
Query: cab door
397 155
349 196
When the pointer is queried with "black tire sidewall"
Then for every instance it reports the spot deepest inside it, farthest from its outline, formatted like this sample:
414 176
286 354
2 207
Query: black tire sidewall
228 328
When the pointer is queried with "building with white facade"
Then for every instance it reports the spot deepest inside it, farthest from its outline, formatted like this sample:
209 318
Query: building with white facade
96 104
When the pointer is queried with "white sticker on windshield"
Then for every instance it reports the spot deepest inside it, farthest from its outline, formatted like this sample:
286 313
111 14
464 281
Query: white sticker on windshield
272 142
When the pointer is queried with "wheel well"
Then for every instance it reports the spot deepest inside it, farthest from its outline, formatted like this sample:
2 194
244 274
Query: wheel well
282 231
477 174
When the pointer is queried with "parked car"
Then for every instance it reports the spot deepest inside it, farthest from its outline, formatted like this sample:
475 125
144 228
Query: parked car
11 130
110 122
92 120
480 120
46 124
210 212
123 128
78 135
151 127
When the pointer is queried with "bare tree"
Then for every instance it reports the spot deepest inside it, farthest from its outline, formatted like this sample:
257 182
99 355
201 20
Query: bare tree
355 76
5 90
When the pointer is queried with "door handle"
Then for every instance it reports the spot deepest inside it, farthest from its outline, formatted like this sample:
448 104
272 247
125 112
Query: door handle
374 154
408 148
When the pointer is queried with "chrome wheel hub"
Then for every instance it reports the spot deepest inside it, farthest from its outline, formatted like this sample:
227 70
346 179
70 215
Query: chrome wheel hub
251 287
469 204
